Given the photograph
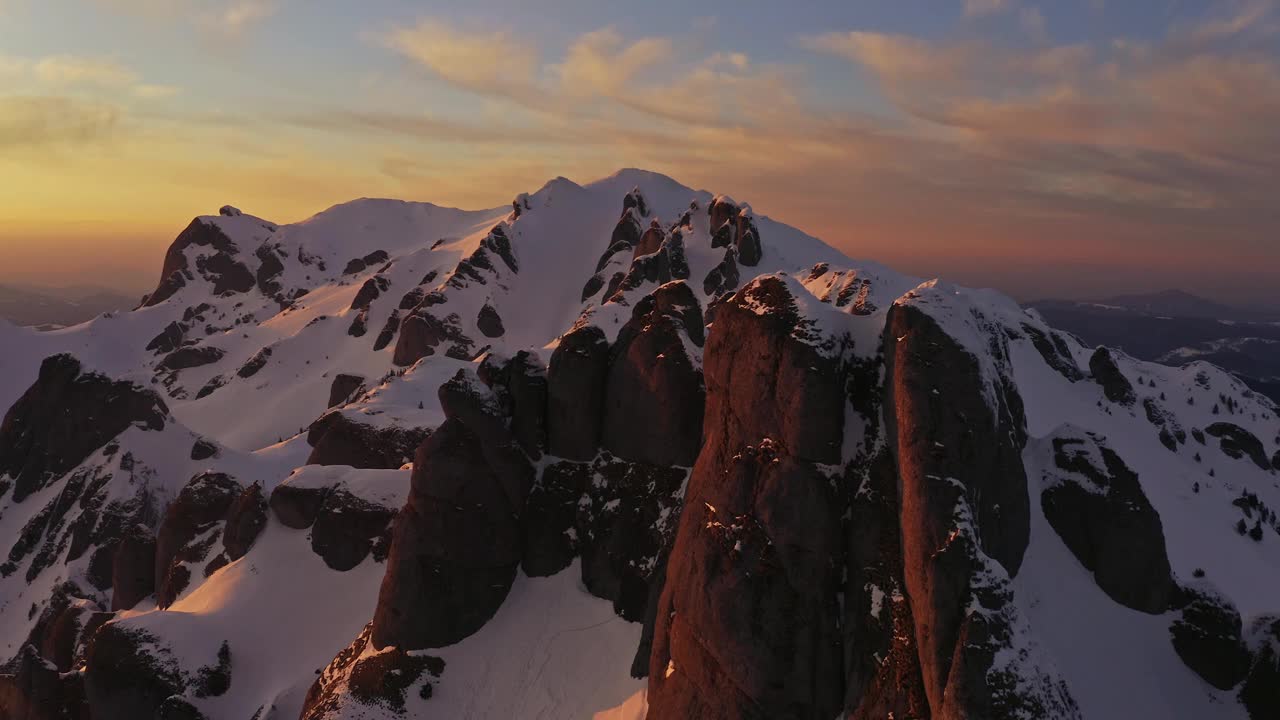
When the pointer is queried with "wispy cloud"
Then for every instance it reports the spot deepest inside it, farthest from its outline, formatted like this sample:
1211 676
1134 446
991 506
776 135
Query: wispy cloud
29 122
976 8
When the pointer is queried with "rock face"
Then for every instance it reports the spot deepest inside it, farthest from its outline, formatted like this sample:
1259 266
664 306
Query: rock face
32 689
133 575
343 387
346 528
220 264
957 432
747 625
576 381
1097 507
1207 635
187 532
246 518
1261 690
1114 384
63 417
1236 442
128 675
336 439
653 392
456 544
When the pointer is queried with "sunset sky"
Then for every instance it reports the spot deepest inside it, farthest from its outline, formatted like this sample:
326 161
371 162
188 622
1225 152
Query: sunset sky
1051 148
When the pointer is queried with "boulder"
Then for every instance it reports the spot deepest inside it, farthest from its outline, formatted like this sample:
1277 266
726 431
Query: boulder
576 379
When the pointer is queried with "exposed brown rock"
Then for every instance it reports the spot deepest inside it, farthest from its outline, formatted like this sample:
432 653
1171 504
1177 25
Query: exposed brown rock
654 392
575 393
201 505
336 439
747 622
246 519
343 387
133 575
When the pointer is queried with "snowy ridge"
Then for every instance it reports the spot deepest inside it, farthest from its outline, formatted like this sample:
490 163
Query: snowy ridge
354 318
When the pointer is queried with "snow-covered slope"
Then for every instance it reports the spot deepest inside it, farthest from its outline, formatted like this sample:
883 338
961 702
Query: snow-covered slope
399 458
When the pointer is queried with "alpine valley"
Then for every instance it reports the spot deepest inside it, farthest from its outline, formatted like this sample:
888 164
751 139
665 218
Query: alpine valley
617 450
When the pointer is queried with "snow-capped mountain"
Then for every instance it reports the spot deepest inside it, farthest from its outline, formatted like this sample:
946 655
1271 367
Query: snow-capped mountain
616 450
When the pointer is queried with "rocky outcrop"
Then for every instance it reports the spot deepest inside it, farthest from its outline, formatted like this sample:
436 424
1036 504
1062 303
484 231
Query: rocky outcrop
31 688
343 387
1238 443
1096 505
63 417
357 679
337 439
255 363
133 575
653 392
576 379
489 322
187 532
360 264
747 625
1207 635
1106 373
421 333
456 544
246 519
295 506
190 357
169 339
347 527
218 262
129 674
1261 690
370 291
957 433
1055 351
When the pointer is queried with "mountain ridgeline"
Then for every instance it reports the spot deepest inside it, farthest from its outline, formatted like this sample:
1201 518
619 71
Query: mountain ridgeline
623 450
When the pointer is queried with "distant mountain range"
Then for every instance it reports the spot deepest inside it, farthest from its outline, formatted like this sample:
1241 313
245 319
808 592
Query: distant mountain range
60 307
1174 327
